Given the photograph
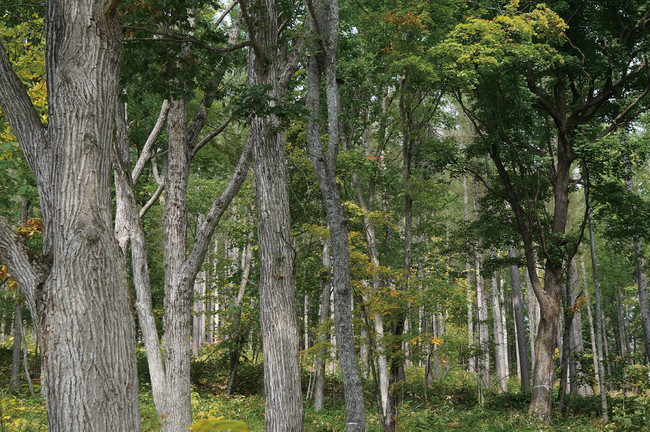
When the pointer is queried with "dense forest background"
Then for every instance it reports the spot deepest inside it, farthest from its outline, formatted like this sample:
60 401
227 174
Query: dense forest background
365 215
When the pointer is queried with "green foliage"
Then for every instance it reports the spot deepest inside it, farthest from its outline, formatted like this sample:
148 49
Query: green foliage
220 424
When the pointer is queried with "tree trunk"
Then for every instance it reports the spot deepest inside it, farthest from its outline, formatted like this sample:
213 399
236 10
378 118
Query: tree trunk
319 379
592 334
15 358
522 351
642 282
470 297
325 21
82 276
483 332
239 334
565 350
499 343
599 321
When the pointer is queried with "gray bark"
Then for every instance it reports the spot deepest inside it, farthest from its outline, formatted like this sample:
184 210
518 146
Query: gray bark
239 335
180 272
599 322
483 332
82 276
499 343
325 22
592 333
319 392
522 351
271 66
14 382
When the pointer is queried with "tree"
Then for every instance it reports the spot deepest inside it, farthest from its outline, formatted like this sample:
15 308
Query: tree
88 364
272 63
532 60
325 23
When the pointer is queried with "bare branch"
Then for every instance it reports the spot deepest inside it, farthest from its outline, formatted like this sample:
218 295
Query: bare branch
225 13
152 200
201 243
146 155
211 135
172 37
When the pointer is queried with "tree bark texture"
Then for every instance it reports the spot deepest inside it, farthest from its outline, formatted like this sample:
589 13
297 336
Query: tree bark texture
82 303
324 20
267 66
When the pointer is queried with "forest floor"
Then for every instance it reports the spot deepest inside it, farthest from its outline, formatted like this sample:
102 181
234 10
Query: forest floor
451 404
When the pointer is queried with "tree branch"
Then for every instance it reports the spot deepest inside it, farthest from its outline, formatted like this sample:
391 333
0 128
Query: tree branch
146 154
193 264
28 269
21 114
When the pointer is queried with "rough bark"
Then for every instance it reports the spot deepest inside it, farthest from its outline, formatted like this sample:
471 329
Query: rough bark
522 351
324 19
81 304
180 272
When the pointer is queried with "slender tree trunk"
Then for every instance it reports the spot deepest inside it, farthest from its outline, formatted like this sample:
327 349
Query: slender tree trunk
522 352
470 298
592 333
565 350
499 343
533 317
483 332
319 392
239 332
325 21
14 382
599 322
642 282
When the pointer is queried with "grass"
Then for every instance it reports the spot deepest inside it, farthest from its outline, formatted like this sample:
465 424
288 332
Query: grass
449 405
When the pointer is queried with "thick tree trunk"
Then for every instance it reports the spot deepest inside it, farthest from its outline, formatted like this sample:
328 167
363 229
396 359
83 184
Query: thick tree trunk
522 351
269 65
71 162
178 301
543 373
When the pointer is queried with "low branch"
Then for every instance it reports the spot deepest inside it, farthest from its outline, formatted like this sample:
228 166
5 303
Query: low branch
28 269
